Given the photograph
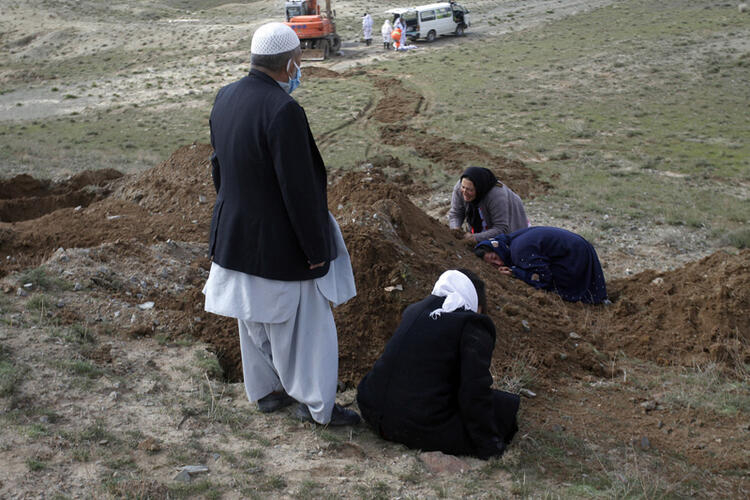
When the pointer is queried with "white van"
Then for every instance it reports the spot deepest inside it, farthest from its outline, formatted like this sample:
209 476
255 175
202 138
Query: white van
427 22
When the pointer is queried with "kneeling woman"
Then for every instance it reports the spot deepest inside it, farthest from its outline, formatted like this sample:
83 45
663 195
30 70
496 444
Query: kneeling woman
549 258
431 388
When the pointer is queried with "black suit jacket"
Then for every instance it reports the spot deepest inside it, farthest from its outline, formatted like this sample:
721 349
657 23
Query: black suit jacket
271 212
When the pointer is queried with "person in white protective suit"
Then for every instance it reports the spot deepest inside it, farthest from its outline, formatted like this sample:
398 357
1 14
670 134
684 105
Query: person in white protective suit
367 28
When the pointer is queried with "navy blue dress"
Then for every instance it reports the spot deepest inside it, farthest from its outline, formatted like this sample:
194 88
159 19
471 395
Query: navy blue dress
551 258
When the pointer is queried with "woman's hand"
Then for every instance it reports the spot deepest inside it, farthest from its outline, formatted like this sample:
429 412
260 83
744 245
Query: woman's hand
505 270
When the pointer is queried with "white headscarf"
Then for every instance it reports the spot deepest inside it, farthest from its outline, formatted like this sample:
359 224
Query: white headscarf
458 290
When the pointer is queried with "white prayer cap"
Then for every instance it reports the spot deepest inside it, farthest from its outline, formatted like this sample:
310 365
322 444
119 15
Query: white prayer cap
273 38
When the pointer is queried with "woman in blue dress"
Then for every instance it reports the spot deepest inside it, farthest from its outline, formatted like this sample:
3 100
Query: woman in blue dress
548 258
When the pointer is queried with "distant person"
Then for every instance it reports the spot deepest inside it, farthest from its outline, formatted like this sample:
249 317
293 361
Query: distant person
400 27
432 388
278 256
488 206
386 31
549 258
367 28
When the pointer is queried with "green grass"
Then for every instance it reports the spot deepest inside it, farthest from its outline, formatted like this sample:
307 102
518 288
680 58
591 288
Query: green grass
11 373
80 368
610 89
41 279
707 387
36 465
126 139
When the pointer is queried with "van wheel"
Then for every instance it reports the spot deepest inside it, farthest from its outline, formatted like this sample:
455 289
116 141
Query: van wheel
460 30
431 36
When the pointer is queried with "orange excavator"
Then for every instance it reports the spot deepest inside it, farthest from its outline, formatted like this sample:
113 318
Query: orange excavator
316 30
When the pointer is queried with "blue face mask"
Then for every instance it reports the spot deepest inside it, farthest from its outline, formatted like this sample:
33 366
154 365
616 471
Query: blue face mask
293 82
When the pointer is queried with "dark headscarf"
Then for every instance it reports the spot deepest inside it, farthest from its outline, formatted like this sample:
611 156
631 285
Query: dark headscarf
483 180
500 244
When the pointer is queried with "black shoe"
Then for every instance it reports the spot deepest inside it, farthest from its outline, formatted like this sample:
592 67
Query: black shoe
339 416
274 401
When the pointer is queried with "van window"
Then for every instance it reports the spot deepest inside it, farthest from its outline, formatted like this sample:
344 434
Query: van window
444 12
428 15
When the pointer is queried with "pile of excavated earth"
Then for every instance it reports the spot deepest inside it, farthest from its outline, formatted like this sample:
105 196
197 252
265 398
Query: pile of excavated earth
141 241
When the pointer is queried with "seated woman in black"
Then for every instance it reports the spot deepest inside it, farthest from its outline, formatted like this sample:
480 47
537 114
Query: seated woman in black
431 388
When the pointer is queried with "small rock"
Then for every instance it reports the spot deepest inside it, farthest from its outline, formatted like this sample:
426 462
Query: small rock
525 326
28 286
440 463
114 217
216 456
182 477
44 419
394 288
645 443
574 335
563 356
648 405
527 393
146 305
114 396
660 424
103 442
60 304
657 281
201 199
22 293
78 208
194 469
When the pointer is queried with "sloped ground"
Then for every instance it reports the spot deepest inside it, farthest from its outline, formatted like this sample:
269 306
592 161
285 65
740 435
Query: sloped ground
144 242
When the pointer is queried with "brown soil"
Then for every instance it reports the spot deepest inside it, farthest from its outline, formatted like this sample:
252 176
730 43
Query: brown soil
688 316
398 103
22 197
693 314
320 72
458 155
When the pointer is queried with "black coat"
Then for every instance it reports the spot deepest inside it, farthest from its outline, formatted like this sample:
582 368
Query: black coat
431 388
271 212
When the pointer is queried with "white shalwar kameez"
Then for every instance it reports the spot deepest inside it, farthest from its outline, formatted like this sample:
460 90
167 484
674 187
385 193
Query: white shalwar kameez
287 334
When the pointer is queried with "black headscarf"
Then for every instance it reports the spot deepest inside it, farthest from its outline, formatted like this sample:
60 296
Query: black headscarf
483 180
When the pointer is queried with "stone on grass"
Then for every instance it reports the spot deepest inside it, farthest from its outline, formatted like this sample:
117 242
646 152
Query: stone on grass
439 463
22 293
527 393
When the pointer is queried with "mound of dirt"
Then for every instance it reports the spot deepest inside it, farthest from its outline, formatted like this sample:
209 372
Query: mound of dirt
688 316
321 72
398 103
22 197
695 313
171 201
458 155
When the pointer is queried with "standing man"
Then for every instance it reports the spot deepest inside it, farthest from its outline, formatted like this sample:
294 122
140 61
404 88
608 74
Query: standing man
278 255
367 28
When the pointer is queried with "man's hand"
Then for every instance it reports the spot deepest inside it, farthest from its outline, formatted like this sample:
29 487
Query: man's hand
469 237
505 270
314 266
